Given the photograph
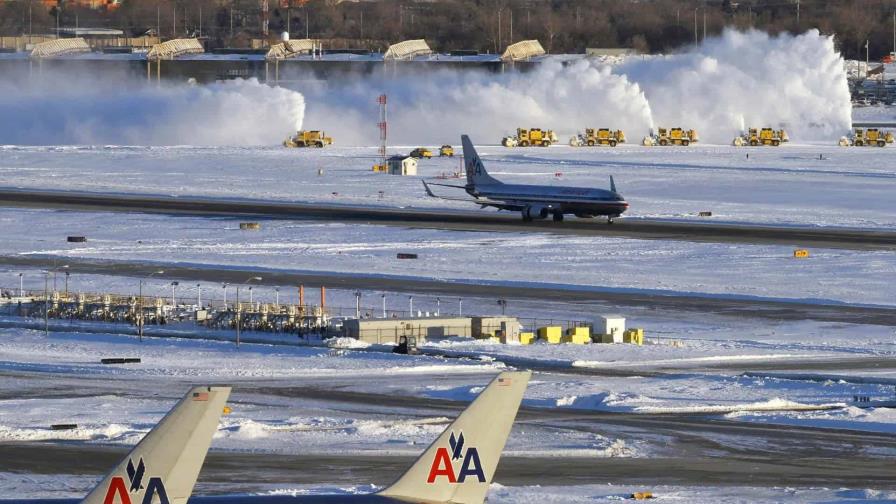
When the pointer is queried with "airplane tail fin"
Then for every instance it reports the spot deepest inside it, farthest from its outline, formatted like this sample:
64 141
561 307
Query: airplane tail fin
612 184
164 466
476 173
458 467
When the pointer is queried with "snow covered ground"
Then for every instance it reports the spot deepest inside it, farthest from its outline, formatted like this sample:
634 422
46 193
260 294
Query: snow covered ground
792 184
269 423
661 267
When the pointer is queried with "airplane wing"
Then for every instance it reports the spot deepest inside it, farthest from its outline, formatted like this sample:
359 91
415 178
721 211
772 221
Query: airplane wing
484 202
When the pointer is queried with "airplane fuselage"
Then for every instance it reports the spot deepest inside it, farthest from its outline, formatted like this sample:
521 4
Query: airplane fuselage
568 200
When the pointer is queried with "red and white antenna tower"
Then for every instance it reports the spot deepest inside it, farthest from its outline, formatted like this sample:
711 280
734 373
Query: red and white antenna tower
383 126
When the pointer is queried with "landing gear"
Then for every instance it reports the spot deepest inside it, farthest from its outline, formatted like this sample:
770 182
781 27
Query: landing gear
558 216
609 219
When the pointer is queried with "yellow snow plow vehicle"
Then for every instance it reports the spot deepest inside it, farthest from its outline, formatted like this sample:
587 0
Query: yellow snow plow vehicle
446 150
598 136
421 152
671 136
530 137
869 137
765 136
309 138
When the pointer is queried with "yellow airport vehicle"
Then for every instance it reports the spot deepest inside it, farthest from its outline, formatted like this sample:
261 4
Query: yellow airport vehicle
672 136
446 150
530 137
598 136
308 138
866 138
421 152
765 136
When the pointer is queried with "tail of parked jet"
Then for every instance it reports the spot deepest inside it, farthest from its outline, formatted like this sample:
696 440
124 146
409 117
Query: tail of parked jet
476 173
163 467
458 467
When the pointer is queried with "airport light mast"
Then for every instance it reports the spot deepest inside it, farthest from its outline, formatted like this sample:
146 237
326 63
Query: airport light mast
383 126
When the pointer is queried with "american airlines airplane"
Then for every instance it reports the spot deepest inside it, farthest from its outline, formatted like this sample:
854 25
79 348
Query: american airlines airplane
456 469
534 201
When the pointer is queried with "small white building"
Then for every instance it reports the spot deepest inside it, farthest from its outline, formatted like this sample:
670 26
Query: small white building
611 327
402 165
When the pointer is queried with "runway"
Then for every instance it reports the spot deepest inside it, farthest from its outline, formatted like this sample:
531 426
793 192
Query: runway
489 221
769 308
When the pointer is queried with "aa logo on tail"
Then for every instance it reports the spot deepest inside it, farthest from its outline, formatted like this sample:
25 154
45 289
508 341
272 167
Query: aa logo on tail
443 464
119 493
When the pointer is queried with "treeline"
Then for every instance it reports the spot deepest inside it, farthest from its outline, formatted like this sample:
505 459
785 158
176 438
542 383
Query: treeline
562 26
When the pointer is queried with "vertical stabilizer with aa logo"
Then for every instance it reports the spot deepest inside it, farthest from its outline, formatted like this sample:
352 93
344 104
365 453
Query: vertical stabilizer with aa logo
476 174
458 467
163 467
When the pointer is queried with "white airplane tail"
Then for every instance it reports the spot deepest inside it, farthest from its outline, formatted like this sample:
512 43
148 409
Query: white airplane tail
164 466
458 467
476 173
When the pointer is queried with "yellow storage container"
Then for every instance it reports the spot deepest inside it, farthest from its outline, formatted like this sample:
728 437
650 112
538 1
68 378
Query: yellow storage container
801 253
527 338
551 334
634 336
577 335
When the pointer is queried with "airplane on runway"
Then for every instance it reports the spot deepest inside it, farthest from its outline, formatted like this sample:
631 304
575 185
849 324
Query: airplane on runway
533 201
457 468
164 466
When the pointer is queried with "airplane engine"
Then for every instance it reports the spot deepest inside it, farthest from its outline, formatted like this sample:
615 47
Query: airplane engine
535 212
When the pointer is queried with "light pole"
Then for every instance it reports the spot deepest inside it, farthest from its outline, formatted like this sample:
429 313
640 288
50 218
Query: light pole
21 285
199 295
460 306
67 274
47 304
503 304
411 307
358 304
225 295
173 292
140 301
438 307
384 306
250 295
239 308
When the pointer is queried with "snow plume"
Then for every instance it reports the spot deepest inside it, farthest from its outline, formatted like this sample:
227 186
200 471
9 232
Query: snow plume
240 112
753 79
436 107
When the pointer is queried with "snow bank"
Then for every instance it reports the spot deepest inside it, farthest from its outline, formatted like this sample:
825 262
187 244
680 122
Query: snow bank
750 79
238 112
437 107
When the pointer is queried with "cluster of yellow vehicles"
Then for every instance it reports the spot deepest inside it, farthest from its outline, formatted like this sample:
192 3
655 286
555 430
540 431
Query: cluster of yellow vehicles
592 137
425 153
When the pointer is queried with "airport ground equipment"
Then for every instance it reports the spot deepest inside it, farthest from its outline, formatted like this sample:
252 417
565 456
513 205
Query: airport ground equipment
308 138
421 152
671 136
765 136
407 345
446 150
867 138
598 136
533 137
